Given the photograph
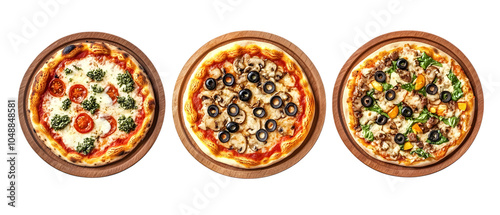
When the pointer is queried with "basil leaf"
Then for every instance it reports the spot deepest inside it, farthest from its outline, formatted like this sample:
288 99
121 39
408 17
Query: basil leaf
367 134
452 121
408 87
424 116
425 61
393 68
442 140
422 91
378 109
421 153
386 86
457 86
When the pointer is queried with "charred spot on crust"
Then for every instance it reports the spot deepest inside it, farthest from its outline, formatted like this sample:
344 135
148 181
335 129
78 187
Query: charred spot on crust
68 49
72 159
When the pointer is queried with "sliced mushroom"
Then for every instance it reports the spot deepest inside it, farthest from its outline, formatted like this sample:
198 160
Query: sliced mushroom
255 103
253 125
279 74
254 144
269 71
215 124
254 64
238 65
240 118
431 73
286 97
238 142
215 73
225 98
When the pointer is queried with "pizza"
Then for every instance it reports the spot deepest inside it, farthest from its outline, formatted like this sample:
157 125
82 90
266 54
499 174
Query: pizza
91 103
408 103
248 104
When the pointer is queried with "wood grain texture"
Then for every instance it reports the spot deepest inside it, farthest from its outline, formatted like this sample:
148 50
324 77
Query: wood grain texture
136 154
371 47
308 68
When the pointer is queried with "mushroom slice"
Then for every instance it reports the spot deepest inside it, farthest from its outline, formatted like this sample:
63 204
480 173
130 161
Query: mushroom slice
238 65
240 118
269 71
215 73
254 64
279 74
286 97
225 98
254 144
253 125
239 142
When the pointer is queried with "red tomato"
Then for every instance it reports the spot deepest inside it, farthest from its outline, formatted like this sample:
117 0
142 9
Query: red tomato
57 87
112 122
84 123
112 92
77 93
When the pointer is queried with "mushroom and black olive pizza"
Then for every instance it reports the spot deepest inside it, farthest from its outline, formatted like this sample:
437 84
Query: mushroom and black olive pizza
91 103
409 104
248 104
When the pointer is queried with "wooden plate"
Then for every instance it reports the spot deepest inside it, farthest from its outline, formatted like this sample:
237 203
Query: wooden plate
314 81
369 48
45 153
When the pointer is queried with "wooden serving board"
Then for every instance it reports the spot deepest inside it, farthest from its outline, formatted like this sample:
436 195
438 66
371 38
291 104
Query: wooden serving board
314 80
369 48
45 153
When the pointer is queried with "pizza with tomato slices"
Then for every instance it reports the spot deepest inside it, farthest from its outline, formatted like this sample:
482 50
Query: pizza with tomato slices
409 104
91 103
248 104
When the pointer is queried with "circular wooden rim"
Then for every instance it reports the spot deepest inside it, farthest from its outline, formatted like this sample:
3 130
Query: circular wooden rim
137 153
308 68
369 48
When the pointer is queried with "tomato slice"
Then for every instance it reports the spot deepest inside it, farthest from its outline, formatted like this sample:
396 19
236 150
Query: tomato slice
112 122
57 87
84 123
112 92
77 93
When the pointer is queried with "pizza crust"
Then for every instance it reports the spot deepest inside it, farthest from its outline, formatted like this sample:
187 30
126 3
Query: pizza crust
232 50
112 153
466 118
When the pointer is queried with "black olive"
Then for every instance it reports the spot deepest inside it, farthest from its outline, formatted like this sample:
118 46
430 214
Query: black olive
381 120
293 107
213 110
232 127
406 111
261 135
210 83
270 125
400 139
228 79
224 136
380 76
245 95
402 63
390 95
259 112
434 136
276 102
233 109
367 101
431 89
253 77
269 87
445 96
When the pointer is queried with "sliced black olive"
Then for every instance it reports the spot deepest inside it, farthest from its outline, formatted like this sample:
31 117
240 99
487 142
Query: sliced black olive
261 135
390 95
291 109
445 96
224 136
431 89
245 95
210 83
406 111
270 125
367 101
381 120
400 139
276 102
259 112
253 77
213 110
232 127
269 87
434 136
233 109
228 79
402 63
380 76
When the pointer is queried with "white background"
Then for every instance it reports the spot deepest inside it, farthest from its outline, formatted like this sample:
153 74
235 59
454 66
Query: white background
168 180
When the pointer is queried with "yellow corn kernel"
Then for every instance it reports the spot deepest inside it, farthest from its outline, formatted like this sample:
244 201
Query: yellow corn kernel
462 106
420 82
407 146
432 109
377 86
